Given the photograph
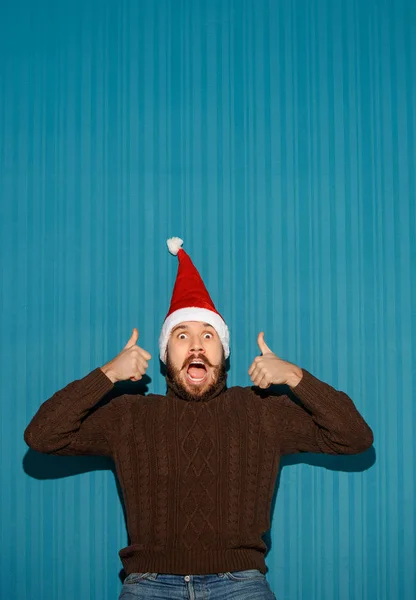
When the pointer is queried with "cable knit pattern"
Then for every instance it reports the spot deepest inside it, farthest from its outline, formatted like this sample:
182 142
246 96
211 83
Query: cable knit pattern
253 464
160 423
198 457
141 503
232 468
197 477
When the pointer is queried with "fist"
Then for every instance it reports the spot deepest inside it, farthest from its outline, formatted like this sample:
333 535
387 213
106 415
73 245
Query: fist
131 363
269 369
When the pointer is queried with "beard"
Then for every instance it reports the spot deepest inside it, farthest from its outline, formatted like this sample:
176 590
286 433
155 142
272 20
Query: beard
200 395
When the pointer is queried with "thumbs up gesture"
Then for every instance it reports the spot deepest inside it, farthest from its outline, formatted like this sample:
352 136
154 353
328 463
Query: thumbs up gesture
269 369
130 363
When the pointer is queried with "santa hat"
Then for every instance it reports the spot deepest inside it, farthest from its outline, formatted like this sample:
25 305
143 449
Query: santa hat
190 301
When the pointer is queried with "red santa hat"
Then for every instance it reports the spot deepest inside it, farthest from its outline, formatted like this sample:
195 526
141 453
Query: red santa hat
190 301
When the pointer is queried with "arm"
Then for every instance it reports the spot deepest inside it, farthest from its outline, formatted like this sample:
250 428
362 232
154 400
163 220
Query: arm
66 425
327 422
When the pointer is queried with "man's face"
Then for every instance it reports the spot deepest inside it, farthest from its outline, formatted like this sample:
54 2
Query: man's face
195 359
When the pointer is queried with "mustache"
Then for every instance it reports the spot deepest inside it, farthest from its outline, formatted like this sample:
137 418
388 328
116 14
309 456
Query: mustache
204 359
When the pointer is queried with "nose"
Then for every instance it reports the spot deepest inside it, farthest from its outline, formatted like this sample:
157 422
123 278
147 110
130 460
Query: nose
196 346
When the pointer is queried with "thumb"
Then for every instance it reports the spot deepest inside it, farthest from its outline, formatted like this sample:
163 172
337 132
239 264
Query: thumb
133 338
264 348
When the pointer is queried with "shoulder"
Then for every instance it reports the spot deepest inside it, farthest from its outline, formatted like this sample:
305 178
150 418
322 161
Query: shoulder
242 392
257 408
132 402
249 396
273 401
257 394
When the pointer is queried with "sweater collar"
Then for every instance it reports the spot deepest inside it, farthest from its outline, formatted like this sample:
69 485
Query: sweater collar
174 392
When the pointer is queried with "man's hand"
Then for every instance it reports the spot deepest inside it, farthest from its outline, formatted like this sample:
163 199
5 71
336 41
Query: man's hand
131 363
270 369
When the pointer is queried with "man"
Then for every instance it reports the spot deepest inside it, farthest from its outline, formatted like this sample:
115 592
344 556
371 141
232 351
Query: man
197 466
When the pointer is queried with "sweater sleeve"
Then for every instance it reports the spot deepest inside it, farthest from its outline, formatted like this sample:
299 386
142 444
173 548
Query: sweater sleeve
327 422
66 425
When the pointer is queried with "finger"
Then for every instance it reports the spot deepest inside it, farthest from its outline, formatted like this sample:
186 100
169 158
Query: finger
252 368
140 365
264 382
139 352
256 373
140 370
145 353
256 380
261 373
133 338
143 366
255 364
258 376
136 378
262 369
264 348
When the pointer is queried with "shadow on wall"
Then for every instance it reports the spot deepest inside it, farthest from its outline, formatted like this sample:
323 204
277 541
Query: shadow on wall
46 466
352 463
348 463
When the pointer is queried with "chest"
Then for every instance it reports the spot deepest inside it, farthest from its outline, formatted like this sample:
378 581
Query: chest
200 441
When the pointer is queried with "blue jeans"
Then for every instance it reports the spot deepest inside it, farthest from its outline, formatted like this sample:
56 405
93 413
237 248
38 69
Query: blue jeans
236 585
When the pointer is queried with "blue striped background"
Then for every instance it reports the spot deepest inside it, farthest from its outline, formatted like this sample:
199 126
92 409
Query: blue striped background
278 139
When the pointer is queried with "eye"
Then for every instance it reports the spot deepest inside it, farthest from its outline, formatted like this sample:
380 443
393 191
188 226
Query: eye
182 334
208 334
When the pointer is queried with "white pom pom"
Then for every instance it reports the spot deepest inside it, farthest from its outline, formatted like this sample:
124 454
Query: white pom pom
174 245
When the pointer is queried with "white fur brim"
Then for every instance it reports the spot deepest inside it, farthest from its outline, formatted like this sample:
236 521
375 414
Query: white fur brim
194 313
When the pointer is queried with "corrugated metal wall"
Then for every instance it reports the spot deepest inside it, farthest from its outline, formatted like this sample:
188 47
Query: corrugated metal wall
278 139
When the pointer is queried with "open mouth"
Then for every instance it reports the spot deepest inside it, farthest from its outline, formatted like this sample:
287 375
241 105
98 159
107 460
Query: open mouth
196 372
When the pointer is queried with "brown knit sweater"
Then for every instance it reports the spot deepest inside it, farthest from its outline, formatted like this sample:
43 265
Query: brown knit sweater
197 477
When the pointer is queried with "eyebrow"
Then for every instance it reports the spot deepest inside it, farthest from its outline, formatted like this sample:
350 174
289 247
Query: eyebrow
186 327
